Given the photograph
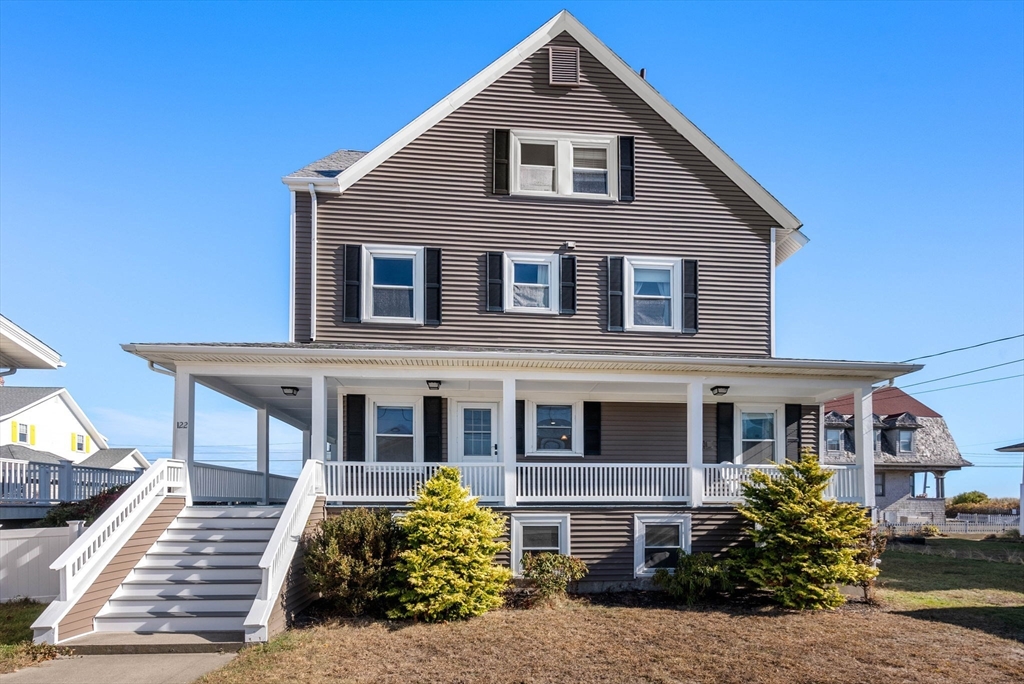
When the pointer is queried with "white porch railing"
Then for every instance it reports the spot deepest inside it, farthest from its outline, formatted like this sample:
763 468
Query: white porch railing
602 482
723 482
82 562
220 483
277 558
23 482
398 482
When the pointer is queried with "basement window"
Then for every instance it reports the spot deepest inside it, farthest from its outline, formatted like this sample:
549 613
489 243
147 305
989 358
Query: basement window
552 164
658 541
538 533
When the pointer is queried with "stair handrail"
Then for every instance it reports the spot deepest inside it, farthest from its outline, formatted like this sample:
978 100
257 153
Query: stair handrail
86 557
281 548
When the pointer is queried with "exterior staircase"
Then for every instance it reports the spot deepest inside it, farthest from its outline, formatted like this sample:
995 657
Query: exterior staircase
201 575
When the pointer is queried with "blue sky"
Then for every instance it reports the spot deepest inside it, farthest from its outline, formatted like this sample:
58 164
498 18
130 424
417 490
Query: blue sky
142 146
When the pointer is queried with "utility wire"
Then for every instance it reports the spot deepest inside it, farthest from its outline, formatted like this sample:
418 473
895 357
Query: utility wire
957 375
973 346
968 384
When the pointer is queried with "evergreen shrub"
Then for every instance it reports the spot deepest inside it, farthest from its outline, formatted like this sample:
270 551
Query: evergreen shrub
697 577
549 574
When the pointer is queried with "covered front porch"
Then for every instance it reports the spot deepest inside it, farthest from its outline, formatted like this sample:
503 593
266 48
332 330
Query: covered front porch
524 428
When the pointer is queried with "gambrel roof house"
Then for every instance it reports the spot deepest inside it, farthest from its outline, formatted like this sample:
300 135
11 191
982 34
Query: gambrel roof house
551 280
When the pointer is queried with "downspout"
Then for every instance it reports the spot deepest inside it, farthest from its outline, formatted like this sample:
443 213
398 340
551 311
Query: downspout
291 273
771 292
9 371
162 371
312 263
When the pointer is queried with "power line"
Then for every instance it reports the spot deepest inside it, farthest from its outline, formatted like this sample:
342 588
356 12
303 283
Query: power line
957 375
973 346
968 384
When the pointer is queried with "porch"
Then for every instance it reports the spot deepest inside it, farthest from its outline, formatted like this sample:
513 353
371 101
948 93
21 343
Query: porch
520 426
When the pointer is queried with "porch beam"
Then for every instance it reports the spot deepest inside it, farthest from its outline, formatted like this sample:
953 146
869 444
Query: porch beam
183 445
508 437
263 452
864 442
318 423
695 441
241 396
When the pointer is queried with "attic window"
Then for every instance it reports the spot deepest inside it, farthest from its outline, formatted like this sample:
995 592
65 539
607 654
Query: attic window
564 66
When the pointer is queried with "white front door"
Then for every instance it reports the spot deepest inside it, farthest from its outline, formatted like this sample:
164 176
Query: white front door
477 438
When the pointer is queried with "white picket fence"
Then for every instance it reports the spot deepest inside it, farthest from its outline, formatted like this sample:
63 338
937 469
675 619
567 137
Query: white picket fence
25 557
952 527
987 519
23 482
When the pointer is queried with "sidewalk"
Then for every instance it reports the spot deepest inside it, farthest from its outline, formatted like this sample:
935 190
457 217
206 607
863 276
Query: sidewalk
174 668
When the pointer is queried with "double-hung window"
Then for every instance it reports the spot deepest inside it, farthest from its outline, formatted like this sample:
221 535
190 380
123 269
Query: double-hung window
555 429
757 435
79 442
538 533
652 288
906 440
659 539
879 484
23 433
557 164
878 440
393 284
833 440
396 426
531 282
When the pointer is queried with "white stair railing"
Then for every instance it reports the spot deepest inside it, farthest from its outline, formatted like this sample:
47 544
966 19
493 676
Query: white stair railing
277 558
86 558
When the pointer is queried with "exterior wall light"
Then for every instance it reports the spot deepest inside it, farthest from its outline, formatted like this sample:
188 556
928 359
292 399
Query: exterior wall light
719 390
434 384
290 391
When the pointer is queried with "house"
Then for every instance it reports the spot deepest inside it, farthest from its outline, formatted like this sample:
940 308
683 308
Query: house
1017 449
19 349
45 425
551 280
908 438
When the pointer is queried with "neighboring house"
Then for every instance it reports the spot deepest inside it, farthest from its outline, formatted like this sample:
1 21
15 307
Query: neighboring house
1017 449
45 423
909 438
20 349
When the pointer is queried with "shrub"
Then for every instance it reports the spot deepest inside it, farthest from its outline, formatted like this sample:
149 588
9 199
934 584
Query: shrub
350 558
696 577
929 530
869 554
804 544
549 574
447 570
1001 506
973 497
86 509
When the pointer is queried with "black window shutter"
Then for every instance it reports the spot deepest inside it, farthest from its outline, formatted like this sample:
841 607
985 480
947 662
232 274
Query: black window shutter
432 286
627 168
723 426
567 269
591 428
793 412
495 278
353 276
432 417
520 426
502 140
689 296
355 427
615 294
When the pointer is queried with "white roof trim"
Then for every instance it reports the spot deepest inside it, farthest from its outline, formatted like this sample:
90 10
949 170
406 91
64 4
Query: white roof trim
13 335
76 411
565 22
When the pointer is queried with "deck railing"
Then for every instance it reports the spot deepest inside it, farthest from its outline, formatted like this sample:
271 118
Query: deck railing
574 482
93 481
24 482
219 483
723 482
398 482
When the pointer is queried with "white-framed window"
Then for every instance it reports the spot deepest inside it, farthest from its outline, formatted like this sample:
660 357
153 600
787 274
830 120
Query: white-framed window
554 428
538 533
879 484
23 433
396 424
906 440
757 434
833 440
531 283
79 442
878 439
652 288
393 284
658 539
558 164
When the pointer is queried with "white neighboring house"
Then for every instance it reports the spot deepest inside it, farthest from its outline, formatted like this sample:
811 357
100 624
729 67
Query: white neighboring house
45 425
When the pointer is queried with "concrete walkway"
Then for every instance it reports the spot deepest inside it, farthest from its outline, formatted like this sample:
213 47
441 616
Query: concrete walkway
169 668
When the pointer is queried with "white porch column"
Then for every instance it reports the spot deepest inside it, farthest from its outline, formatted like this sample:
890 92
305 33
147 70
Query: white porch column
307 445
183 441
695 440
263 452
864 441
318 425
508 437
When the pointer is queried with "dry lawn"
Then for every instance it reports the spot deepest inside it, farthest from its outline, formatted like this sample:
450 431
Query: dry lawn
585 644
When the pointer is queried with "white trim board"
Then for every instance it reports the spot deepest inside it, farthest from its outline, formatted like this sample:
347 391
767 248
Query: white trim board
563 22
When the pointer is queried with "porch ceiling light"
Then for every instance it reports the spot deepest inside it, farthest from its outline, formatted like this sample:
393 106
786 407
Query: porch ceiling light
290 391
719 390
434 384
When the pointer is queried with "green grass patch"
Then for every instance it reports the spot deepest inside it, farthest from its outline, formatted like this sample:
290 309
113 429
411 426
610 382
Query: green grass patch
16 620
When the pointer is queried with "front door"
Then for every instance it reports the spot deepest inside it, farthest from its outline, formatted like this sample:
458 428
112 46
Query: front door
477 438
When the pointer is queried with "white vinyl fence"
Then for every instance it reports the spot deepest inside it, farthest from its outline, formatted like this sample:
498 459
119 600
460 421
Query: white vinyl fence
25 557
952 527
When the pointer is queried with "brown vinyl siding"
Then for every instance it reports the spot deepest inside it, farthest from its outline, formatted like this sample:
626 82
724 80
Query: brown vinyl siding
303 274
809 427
79 618
434 192
295 593
651 433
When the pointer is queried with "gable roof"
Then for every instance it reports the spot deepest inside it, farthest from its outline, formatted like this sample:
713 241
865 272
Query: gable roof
24 453
108 458
21 349
14 400
886 401
788 241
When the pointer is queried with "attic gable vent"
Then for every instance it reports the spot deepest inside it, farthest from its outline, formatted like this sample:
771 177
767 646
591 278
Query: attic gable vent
564 66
